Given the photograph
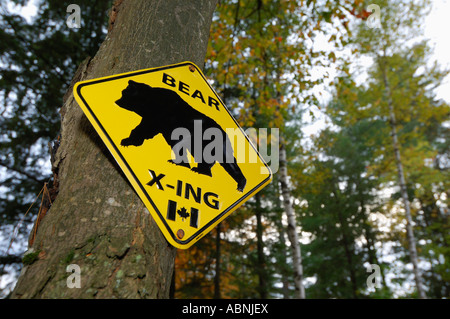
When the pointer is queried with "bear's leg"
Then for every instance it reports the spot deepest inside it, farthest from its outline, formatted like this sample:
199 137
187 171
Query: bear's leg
235 172
137 136
230 165
203 168
180 160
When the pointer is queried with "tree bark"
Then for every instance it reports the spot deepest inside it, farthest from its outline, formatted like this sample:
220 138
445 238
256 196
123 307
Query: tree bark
281 259
292 225
370 236
403 188
217 293
346 242
261 268
284 272
97 221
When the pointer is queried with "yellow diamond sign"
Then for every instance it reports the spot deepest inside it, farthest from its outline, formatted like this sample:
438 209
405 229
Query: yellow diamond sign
177 143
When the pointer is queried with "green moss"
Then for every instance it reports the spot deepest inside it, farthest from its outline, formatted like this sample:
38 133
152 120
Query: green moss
30 258
119 274
69 257
91 240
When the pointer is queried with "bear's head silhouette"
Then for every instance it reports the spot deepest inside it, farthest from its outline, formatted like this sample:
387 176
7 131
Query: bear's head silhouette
135 97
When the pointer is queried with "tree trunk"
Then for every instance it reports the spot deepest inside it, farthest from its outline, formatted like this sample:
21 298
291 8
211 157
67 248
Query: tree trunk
281 258
403 188
292 225
217 294
97 221
371 239
284 272
346 242
261 268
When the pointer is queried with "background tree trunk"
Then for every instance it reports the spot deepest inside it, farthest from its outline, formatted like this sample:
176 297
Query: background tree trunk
403 189
97 221
261 267
292 225
217 278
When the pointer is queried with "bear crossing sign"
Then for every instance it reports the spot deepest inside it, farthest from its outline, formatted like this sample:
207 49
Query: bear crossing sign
179 146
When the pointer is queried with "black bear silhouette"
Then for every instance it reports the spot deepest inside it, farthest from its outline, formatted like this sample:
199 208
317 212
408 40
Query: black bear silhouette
163 111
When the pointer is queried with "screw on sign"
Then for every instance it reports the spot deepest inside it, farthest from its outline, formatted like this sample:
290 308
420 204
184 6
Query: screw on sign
183 152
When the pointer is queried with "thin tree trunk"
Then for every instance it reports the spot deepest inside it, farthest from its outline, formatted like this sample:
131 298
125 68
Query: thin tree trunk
217 294
346 243
403 188
261 268
371 239
292 225
172 288
284 273
97 221
281 258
